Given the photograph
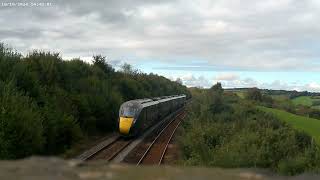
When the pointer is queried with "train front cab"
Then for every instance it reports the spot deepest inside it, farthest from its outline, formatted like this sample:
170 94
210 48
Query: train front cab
127 117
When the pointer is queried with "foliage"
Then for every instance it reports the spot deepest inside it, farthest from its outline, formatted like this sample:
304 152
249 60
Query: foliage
128 69
21 129
48 104
309 125
101 62
254 94
243 136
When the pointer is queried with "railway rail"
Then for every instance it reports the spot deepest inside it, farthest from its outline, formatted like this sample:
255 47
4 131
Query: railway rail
158 147
97 148
109 152
110 149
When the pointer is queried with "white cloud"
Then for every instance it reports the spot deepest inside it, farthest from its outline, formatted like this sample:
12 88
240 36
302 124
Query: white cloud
193 81
230 80
226 77
248 35
220 35
313 86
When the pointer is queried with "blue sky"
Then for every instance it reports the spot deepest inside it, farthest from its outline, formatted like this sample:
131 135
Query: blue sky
288 80
267 44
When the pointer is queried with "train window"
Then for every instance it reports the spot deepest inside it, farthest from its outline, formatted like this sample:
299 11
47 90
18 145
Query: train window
129 111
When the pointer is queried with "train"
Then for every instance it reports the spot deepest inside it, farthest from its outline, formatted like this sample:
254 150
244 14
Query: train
135 116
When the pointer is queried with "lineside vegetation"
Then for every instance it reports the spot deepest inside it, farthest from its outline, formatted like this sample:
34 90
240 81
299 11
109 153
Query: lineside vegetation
224 130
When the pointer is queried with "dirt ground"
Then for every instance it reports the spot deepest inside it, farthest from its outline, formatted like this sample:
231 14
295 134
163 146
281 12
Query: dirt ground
36 168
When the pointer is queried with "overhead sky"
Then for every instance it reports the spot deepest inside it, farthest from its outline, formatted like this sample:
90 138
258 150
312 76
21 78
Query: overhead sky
271 44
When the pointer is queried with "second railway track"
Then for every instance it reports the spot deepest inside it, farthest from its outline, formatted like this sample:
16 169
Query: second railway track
111 149
152 150
158 147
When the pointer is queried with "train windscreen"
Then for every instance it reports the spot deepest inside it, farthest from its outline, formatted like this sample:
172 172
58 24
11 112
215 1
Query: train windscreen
128 111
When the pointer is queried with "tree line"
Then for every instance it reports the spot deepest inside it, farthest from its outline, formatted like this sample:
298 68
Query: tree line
290 94
47 104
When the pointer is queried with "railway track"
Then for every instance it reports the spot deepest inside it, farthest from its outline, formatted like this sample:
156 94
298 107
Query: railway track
110 149
158 147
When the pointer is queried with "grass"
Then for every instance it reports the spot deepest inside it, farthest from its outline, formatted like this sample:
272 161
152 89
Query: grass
306 101
308 125
280 97
303 100
241 94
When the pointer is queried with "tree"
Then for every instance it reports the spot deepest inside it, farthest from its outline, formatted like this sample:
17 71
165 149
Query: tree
215 98
254 94
101 62
179 81
217 88
21 126
128 69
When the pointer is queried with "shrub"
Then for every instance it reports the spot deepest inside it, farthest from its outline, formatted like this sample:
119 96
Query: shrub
243 136
21 127
254 94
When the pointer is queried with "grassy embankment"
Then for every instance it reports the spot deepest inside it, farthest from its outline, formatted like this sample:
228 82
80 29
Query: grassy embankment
308 125
307 101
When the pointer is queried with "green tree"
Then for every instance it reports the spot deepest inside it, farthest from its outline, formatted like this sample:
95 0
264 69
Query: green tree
21 127
128 69
101 62
254 94
215 98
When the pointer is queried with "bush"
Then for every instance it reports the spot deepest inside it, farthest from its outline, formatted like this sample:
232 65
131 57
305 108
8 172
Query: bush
21 130
292 166
243 137
254 94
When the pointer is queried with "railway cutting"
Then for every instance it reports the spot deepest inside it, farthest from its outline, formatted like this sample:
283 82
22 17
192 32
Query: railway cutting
146 127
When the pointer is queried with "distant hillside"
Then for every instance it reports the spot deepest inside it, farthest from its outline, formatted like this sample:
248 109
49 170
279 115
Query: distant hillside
289 94
308 125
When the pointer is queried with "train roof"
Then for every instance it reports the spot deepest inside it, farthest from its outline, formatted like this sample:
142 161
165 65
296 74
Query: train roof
152 101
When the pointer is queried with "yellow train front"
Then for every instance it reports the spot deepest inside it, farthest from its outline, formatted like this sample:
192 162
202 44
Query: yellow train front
136 116
128 115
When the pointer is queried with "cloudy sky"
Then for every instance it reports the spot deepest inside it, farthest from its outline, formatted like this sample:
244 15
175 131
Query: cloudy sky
242 43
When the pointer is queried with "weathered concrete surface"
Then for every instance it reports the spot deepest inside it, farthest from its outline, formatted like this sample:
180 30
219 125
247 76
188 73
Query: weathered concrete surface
56 169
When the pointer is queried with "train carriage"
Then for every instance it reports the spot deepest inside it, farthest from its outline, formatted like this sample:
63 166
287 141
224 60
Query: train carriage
136 116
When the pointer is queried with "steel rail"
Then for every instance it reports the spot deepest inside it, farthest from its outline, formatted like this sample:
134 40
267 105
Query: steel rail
167 144
119 151
98 148
156 138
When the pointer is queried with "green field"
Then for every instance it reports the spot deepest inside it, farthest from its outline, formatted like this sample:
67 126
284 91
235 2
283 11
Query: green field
306 101
279 97
308 125
303 100
241 94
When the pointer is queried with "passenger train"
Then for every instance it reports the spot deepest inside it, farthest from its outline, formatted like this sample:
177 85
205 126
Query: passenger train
136 116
